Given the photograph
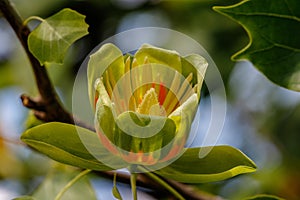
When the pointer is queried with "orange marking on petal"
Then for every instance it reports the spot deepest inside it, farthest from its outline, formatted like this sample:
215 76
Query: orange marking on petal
96 98
139 158
162 94
151 160
174 151
131 157
107 144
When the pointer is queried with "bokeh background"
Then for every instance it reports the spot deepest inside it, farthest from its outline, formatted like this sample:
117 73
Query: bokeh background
262 118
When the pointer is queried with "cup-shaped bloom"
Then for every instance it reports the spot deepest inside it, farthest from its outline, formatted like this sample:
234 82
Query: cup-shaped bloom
144 103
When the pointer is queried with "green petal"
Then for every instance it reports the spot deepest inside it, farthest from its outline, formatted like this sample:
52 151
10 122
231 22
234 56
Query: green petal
104 117
196 61
103 97
197 65
221 163
136 132
158 56
183 117
108 56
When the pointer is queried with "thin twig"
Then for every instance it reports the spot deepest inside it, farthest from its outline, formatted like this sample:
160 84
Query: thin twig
191 192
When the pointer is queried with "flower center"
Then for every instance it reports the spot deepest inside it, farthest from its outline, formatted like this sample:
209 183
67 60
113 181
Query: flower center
150 104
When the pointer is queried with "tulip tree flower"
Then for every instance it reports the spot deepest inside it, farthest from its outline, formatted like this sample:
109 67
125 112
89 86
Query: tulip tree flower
144 104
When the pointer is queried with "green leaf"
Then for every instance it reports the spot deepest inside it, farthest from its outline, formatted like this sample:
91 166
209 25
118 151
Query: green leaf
62 143
53 36
273 28
264 197
116 193
221 163
57 179
115 190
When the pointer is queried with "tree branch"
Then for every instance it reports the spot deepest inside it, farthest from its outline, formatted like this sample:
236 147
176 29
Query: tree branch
187 191
191 192
47 107
52 107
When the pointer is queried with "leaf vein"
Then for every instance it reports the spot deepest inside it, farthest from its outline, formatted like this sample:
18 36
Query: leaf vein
54 31
266 14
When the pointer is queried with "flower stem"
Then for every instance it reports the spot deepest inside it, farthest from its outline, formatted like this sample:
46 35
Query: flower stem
72 182
162 183
133 185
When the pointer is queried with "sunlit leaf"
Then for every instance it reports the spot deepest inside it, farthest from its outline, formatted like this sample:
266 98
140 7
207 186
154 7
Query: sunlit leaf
62 143
221 163
50 41
273 28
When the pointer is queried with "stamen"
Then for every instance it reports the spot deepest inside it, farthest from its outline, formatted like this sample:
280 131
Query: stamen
185 85
172 90
111 77
134 79
147 74
187 95
102 91
172 106
127 64
196 87
134 63
128 91
150 105
118 101
108 85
